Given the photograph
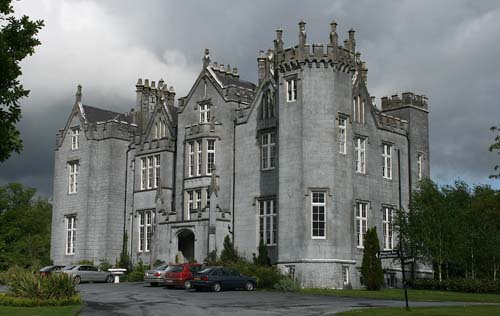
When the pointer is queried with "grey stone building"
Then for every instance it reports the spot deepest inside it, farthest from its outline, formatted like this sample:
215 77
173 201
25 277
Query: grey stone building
303 160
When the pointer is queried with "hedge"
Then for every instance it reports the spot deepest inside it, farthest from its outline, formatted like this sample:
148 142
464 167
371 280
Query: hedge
457 285
7 300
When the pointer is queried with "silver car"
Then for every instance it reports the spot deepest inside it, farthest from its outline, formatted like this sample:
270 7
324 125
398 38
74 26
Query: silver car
88 273
156 276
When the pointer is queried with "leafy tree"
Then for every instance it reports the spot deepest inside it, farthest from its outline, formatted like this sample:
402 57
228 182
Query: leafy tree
496 147
124 260
25 224
229 253
17 41
371 267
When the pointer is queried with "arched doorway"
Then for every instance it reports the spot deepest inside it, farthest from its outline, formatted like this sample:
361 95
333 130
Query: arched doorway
186 244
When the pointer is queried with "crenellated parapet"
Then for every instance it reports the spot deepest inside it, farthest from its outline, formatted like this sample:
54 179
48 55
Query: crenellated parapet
392 123
343 57
406 99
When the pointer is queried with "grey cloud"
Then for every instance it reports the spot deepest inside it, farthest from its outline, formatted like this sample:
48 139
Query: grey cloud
447 50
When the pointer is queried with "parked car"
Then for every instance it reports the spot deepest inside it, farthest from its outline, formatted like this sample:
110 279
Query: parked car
218 278
88 273
156 276
50 269
180 275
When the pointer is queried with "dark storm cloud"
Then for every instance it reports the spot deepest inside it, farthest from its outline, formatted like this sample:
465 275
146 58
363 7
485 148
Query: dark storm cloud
447 50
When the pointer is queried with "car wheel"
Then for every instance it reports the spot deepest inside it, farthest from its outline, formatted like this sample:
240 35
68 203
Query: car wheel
216 287
110 279
77 279
187 285
153 284
249 286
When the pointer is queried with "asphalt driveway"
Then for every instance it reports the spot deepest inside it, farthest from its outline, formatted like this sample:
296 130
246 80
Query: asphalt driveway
137 299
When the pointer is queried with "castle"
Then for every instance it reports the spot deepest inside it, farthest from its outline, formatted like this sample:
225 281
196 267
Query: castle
303 160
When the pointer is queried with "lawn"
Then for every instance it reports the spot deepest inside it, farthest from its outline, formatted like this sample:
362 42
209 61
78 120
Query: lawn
413 295
427 311
70 310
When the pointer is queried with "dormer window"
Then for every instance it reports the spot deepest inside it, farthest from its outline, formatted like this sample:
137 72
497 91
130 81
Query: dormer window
75 139
204 113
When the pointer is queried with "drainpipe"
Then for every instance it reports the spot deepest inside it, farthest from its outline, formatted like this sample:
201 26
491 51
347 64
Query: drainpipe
124 247
234 177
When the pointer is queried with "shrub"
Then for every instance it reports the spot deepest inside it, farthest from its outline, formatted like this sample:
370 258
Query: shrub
457 285
261 259
229 254
32 286
7 275
287 285
104 265
212 259
266 276
371 267
137 274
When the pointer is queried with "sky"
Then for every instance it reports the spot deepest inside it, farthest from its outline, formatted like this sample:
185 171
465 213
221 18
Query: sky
447 50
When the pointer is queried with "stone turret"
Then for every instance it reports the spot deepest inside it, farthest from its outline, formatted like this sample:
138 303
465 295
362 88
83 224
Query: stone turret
406 99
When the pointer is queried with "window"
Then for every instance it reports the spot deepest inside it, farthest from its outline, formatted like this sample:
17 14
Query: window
73 176
267 221
387 161
342 135
145 230
291 89
204 113
70 234
157 130
267 106
191 159
197 204
318 215
210 156
190 203
361 223
207 198
359 110
199 155
150 172
360 155
420 163
387 222
345 275
268 151
75 139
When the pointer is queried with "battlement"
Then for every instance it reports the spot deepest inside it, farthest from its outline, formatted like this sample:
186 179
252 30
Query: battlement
406 99
331 53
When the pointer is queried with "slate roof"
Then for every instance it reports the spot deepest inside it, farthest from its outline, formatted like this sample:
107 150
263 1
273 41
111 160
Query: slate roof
95 115
226 81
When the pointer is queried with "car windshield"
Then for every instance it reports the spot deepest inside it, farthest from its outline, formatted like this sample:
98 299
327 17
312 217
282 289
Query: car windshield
174 269
206 270
195 268
69 268
161 268
45 269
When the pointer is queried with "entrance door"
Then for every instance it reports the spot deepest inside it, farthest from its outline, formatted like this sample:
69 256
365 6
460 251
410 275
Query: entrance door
186 244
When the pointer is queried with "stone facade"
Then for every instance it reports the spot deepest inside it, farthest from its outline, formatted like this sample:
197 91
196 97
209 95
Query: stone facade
301 160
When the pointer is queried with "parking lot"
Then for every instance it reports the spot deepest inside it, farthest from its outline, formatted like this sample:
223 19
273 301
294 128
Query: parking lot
140 299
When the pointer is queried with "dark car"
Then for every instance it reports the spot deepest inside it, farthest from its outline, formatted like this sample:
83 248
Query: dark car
180 275
49 269
218 278
156 276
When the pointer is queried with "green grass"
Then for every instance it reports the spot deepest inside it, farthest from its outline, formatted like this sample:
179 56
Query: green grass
427 311
70 310
413 295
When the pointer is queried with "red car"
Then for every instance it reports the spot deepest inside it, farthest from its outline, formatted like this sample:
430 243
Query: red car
180 275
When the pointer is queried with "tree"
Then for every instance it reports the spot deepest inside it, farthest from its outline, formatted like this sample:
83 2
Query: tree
229 253
371 268
262 259
496 147
25 224
17 41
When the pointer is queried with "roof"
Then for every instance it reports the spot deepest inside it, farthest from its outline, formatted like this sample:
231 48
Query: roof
229 79
95 115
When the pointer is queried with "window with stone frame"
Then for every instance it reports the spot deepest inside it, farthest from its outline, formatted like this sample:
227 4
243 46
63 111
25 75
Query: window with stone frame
268 221
210 156
204 113
420 165
387 161
291 90
70 221
145 230
197 204
199 157
342 135
360 154
191 159
267 105
74 168
268 151
361 223
190 203
75 138
345 275
359 110
318 214
387 218
150 172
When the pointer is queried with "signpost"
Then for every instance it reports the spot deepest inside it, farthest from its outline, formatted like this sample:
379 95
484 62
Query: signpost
398 254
